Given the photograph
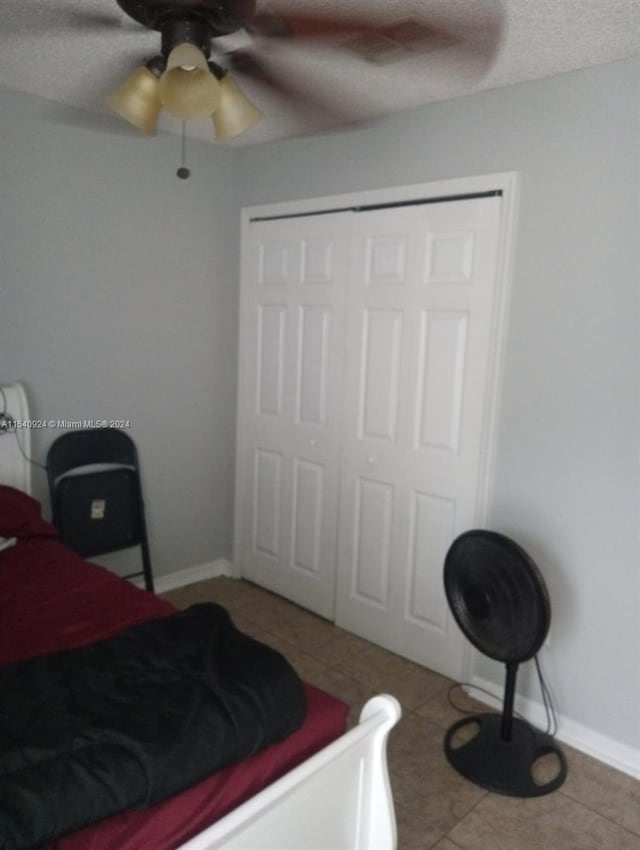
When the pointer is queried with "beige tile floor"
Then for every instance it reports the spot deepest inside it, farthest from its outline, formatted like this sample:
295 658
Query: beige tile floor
597 808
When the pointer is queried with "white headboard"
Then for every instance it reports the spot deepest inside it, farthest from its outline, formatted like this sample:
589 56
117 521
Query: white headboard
15 469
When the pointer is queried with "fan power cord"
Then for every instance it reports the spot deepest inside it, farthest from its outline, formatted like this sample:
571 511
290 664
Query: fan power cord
552 718
7 422
8 426
552 721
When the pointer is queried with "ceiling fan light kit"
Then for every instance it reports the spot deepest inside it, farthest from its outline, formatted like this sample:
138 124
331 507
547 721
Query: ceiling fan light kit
235 112
187 89
137 100
180 79
190 89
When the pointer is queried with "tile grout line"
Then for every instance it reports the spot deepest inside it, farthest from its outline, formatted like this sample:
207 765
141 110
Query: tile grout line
631 832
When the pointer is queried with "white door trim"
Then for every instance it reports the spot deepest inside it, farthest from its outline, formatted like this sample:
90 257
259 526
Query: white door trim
507 183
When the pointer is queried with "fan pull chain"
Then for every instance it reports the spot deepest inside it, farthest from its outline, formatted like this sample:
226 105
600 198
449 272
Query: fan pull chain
183 172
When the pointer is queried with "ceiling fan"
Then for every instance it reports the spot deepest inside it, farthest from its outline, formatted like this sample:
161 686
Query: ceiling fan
191 75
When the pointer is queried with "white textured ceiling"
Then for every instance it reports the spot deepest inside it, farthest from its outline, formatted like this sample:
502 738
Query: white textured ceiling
44 51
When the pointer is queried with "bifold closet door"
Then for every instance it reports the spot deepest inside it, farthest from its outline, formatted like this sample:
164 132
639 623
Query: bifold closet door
292 311
419 324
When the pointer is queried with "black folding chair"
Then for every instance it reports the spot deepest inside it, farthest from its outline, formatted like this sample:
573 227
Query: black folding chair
96 494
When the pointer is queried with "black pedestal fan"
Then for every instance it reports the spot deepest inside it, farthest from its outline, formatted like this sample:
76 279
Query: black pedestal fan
499 599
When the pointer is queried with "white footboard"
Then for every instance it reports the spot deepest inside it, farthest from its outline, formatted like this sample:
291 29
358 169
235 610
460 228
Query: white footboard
15 470
340 799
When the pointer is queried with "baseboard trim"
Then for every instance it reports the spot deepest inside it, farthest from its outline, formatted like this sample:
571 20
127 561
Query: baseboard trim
190 575
614 753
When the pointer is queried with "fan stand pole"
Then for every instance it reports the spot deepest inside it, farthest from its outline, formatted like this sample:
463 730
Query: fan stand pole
506 726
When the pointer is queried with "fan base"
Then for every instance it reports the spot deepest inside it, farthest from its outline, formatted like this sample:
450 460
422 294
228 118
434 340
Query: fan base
505 767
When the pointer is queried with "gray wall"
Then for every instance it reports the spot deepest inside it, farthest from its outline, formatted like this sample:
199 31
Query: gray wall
567 465
118 300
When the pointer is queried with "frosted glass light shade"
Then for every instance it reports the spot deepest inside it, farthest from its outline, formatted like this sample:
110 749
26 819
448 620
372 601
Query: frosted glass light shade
187 88
235 112
137 100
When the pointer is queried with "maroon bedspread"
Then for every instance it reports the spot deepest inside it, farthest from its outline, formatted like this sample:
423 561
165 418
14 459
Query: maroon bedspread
51 599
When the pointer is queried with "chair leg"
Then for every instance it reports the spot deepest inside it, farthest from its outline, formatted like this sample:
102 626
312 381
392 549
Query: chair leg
146 564
144 543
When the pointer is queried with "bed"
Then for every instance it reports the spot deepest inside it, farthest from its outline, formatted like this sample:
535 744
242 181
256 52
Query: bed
313 786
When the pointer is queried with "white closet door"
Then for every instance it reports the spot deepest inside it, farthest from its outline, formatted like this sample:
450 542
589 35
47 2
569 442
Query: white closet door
419 328
296 273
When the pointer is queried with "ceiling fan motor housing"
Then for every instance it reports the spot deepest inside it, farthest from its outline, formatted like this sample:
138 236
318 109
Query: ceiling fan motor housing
221 17
177 31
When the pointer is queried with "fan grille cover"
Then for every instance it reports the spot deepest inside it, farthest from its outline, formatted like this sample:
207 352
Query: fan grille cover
497 595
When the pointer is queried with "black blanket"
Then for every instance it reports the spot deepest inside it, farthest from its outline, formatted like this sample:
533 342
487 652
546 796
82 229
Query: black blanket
129 721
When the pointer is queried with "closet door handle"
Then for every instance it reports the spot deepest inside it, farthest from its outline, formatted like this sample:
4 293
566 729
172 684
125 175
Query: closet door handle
313 442
372 459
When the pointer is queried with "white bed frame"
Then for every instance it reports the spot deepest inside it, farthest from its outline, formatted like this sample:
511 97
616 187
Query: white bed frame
339 799
14 469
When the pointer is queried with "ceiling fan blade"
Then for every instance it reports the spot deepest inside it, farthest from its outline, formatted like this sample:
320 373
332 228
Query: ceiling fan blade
308 25
99 21
410 32
304 101
474 35
24 17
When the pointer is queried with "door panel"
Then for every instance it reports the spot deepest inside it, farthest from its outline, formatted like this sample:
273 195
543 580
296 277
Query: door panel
441 367
372 542
267 500
380 374
308 486
419 324
272 325
314 325
289 455
431 527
